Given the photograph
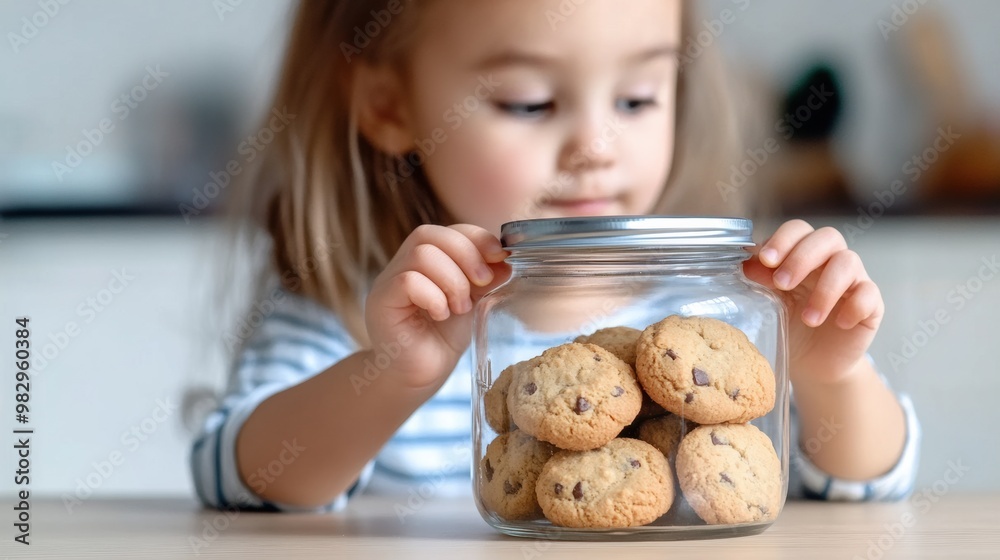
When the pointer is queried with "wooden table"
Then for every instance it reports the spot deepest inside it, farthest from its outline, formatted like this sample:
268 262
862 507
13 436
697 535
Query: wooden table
957 526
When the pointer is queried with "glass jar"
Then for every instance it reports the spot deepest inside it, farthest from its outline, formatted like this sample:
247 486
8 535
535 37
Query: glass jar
630 383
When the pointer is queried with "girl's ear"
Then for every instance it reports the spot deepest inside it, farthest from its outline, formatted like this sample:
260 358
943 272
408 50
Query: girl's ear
382 116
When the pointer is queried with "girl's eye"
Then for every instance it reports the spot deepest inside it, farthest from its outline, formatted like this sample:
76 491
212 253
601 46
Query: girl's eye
634 105
526 110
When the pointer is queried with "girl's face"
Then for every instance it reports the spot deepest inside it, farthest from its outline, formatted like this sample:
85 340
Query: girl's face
537 109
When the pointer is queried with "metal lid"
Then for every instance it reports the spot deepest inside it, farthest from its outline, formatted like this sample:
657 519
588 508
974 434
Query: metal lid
627 232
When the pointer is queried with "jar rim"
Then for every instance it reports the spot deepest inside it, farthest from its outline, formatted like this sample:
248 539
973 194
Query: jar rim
601 232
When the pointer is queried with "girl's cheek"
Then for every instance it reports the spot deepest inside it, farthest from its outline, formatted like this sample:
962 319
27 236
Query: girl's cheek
504 167
503 182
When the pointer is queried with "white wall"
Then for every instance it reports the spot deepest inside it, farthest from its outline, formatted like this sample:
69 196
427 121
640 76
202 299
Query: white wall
67 76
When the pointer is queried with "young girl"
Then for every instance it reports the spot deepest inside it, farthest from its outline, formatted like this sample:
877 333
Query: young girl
417 129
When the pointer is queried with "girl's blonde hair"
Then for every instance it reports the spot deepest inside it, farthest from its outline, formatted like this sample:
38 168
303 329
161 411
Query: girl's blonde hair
324 194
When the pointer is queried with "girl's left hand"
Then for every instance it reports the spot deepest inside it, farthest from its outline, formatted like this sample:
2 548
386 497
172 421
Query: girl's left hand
834 308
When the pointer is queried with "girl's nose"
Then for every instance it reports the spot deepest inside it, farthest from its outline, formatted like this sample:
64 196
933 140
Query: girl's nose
590 145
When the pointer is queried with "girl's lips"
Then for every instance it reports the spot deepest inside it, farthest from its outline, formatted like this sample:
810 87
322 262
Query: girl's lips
582 206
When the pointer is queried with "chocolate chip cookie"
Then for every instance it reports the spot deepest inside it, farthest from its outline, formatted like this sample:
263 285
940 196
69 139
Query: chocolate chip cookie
625 483
508 472
665 434
620 341
704 370
649 408
730 473
495 398
577 396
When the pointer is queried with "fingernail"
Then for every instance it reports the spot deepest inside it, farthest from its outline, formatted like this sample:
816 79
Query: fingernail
769 256
811 317
498 254
484 275
782 279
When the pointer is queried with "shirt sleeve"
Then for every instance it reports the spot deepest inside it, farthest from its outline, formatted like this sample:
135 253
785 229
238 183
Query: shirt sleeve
292 339
806 480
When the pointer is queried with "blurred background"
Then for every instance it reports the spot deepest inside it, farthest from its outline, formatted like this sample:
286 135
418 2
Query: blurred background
118 121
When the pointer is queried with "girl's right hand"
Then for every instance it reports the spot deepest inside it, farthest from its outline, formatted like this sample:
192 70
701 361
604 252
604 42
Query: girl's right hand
418 311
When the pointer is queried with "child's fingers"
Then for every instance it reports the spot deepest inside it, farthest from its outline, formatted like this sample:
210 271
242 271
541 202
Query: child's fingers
413 288
501 272
440 267
758 272
842 271
459 247
808 255
487 243
777 247
863 306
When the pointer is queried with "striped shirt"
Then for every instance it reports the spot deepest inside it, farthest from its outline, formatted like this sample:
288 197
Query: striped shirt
432 452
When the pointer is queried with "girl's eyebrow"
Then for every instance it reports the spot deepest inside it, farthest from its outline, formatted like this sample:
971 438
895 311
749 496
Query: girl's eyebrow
668 51
537 59
515 58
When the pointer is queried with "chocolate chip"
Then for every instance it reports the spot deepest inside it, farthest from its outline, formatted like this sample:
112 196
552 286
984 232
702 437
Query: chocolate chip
530 388
509 488
489 471
597 358
558 489
725 478
617 392
578 491
635 463
734 393
716 440
671 353
763 509
700 377
689 398
582 405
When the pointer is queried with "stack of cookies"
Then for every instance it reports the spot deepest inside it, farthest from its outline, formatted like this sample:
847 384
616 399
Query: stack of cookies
625 427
